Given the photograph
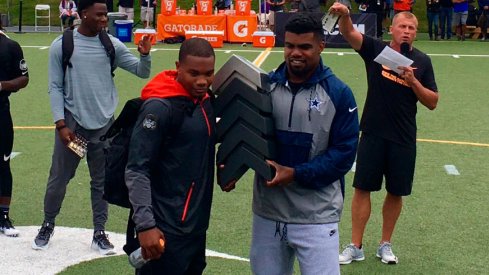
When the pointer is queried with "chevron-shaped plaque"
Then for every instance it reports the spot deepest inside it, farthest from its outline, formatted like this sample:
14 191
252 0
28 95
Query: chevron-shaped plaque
245 129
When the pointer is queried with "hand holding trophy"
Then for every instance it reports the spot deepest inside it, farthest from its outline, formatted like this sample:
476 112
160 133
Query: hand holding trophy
78 145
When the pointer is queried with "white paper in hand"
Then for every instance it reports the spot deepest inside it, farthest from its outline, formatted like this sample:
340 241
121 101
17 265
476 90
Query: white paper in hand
392 59
329 21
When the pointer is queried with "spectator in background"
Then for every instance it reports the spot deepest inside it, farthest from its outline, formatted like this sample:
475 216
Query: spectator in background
147 12
67 11
403 5
460 14
446 14
433 13
388 13
275 6
483 21
127 7
310 6
375 7
294 5
472 15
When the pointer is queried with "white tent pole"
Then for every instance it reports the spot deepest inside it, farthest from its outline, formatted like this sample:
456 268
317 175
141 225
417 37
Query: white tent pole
260 26
147 15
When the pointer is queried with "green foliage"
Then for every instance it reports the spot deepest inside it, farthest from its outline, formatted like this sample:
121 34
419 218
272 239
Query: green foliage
444 222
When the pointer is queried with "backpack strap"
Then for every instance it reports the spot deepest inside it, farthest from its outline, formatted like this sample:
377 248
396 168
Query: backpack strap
67 48
109 49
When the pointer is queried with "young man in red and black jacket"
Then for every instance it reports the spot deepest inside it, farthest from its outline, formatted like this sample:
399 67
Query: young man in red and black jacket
170 172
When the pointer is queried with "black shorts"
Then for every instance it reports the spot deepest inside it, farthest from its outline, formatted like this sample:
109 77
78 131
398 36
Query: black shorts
377 158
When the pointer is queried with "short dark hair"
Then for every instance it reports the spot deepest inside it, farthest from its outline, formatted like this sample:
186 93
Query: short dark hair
304 22
85 4
196 47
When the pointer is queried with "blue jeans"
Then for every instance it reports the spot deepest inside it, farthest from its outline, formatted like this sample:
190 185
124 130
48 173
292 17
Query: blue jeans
433 21
446 22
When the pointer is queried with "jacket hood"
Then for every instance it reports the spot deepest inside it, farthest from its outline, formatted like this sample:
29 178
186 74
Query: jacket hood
321 73
164 85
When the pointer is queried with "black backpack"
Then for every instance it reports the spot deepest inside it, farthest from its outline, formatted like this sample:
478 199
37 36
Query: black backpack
117 151
67 47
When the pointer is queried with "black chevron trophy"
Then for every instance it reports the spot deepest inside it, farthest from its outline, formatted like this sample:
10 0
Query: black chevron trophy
245 128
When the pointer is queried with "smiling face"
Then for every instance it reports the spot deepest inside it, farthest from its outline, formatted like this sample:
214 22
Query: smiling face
404 28
196 74
94 19
302 54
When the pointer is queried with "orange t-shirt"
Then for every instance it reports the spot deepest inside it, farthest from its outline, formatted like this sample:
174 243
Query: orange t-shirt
402 5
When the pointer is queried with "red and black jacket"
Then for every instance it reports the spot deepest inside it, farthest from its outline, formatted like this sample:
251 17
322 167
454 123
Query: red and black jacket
170 172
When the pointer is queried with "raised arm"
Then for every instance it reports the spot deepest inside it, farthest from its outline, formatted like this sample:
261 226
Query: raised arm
351 35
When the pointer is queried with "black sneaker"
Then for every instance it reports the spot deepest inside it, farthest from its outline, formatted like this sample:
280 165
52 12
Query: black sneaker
7 228
102 244
41 242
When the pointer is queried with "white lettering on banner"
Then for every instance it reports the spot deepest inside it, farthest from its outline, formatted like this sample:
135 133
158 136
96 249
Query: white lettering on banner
169 5
242 6
204 6
240 28
358 27
208 38
181 28
263 40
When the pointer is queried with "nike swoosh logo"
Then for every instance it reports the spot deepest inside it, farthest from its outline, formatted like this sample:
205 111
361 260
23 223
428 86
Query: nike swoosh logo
24 73
5 158
352 109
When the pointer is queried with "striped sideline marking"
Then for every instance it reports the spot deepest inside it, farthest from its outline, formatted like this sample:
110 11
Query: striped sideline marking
264 56
454 142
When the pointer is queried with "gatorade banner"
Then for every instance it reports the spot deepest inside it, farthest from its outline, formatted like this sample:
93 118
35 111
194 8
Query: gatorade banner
204 7
243 7
366 23
168 7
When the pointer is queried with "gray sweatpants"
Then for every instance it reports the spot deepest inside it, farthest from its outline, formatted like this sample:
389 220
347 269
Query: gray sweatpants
63 168
275 245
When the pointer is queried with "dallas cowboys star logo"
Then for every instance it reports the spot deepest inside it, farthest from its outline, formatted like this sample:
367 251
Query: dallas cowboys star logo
315 103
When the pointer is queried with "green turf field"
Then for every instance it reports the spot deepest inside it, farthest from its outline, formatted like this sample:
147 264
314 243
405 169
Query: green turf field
444 224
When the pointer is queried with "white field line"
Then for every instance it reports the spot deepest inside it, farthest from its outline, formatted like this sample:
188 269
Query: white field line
281 51
451 170
68 246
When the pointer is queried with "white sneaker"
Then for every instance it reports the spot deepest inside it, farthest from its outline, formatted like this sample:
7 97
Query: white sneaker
102 244
351 253
7 228
384 252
